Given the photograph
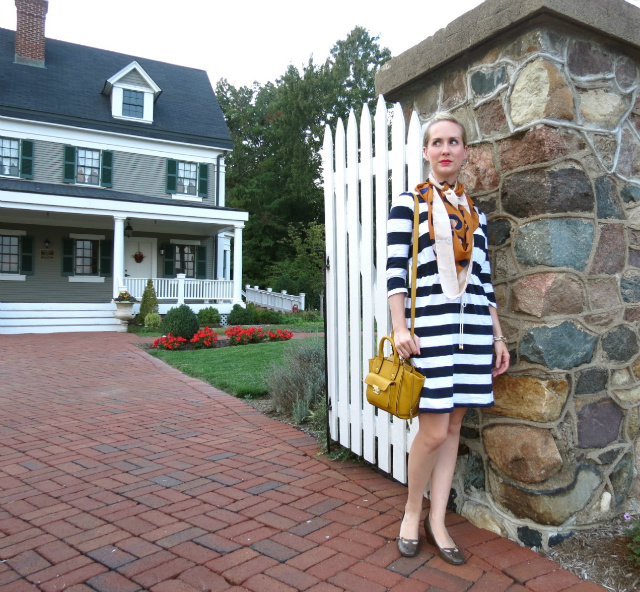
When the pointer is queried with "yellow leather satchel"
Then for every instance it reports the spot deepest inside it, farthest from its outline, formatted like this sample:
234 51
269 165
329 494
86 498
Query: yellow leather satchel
393 384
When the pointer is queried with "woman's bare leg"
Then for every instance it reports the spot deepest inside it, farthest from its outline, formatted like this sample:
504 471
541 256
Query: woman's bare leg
432 433
442 478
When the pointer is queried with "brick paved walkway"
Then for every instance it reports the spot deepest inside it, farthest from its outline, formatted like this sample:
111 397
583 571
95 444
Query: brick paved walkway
119 474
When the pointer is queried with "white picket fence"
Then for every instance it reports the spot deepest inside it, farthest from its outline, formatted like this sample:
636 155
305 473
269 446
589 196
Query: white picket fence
280 301
356 191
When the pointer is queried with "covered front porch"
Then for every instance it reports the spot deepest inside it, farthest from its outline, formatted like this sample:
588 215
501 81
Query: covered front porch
75 254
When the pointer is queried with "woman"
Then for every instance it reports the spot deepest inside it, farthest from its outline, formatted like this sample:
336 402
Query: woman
457 328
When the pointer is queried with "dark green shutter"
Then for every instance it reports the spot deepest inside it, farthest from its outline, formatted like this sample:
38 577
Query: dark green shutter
169 266
26 255
172 175
69 164
26 159
106 174
203 180
68 245
201 262
106 251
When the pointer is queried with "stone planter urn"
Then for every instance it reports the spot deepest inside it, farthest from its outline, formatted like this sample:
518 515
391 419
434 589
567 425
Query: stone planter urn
124 313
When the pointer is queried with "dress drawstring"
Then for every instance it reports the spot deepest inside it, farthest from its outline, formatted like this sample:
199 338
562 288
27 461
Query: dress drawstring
463 304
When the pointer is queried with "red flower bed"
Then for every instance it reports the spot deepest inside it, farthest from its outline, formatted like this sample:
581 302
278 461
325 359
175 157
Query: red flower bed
239 336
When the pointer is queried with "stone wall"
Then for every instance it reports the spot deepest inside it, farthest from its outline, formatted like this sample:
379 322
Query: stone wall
553 116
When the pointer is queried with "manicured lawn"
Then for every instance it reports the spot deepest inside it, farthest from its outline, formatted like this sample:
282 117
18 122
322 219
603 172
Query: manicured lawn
238 370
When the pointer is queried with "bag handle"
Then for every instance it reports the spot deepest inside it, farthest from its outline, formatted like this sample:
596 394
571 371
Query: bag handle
414 261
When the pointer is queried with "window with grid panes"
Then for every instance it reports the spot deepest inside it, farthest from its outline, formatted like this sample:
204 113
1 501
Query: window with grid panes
87 257
187 178
132 103
186 260
9 157
9 254
88 166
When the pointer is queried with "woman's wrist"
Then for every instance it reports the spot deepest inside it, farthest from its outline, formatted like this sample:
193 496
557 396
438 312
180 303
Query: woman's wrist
499 338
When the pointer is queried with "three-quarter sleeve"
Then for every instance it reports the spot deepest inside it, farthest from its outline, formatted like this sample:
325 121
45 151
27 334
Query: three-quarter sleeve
399 232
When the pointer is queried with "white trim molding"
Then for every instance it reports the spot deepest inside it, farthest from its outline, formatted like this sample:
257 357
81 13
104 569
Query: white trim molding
86 279
12 277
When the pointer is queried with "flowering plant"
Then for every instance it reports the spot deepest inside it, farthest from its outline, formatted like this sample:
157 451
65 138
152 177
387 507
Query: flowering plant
206 337
124 296
169 342
280 335
634 538
239 336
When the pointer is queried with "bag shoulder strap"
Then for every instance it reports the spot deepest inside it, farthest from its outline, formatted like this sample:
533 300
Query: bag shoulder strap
414 260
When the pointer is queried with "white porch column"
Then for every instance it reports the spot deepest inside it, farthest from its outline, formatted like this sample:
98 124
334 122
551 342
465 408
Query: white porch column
237 265
118 253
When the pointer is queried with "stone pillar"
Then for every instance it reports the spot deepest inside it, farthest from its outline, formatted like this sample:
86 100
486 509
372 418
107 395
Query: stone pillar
118 253
552 110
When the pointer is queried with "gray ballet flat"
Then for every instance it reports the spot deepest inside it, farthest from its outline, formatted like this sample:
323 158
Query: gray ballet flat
451 555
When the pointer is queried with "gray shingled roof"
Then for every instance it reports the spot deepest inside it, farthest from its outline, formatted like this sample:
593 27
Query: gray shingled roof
68 90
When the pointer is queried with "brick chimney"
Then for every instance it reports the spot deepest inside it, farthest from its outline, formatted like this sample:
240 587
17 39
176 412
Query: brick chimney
30 32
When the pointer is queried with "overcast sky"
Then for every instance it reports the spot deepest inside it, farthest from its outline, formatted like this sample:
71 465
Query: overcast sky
241 40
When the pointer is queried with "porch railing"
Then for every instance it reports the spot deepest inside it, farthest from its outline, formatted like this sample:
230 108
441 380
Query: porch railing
181 288
280 301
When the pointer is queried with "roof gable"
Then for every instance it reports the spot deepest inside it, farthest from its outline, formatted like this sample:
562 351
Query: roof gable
132 75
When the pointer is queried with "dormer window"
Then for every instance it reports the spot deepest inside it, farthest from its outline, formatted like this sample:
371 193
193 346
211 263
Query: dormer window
133 94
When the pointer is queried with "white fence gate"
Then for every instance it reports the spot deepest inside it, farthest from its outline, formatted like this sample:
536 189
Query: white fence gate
356 191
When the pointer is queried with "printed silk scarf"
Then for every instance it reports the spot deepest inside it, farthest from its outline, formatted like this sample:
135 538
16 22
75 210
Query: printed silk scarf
452 222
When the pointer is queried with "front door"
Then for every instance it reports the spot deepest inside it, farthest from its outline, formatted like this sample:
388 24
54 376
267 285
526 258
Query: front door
137 266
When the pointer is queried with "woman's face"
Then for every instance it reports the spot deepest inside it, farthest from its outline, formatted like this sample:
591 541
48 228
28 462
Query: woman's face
445 151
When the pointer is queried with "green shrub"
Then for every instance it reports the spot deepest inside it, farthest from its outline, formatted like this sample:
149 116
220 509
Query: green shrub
242 316
268 317
153 320
209 316
298 386
149 302
634 539
181 322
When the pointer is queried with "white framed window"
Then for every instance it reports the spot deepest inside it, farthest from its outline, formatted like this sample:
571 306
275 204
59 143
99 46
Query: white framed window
187 178
10 157
88 168
132 103
86 257
16 255
16 158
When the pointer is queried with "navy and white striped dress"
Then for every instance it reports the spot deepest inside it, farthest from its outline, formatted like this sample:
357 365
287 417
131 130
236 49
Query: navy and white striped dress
454 377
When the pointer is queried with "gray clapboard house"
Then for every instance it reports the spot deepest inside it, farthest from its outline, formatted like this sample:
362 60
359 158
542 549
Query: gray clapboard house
111 172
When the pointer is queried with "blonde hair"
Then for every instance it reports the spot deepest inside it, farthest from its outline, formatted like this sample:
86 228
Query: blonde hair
444 116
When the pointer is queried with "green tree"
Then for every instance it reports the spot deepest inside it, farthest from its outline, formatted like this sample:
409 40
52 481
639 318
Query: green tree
274 171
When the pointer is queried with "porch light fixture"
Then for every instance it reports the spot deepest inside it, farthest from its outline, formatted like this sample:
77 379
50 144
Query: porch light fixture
128 231
47 243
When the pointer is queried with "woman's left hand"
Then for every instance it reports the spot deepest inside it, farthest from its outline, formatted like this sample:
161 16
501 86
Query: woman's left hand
502 358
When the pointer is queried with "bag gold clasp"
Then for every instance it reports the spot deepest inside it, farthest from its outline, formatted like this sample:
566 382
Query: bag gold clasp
376 390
